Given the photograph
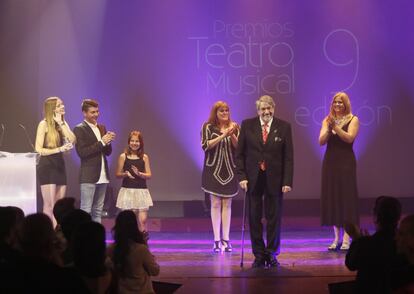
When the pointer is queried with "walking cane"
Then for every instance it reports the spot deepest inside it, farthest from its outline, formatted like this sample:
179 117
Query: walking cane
243 228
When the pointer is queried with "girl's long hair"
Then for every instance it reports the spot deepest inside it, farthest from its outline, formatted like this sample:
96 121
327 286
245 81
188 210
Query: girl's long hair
140 151
53 138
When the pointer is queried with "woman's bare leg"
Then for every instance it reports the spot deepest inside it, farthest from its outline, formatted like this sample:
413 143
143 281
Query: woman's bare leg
49 195
142 220
226 217
216 216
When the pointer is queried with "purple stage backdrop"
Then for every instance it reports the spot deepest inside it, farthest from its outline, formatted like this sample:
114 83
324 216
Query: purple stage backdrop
158 66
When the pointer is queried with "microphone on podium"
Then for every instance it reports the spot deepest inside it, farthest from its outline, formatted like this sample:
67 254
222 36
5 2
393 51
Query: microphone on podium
2 134
3 128
27 137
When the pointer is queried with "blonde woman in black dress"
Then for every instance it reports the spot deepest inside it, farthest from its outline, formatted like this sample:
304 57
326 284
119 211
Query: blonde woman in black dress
53 137
219 137
339 194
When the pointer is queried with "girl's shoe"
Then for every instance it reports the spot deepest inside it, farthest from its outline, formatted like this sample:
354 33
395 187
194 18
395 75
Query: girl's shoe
216 247
333 246
226 245
345 245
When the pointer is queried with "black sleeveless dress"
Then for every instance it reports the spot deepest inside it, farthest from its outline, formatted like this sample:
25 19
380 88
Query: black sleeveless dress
51 168
339 195
134 193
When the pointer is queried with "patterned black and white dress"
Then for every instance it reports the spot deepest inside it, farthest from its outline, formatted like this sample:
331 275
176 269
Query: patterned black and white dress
218 176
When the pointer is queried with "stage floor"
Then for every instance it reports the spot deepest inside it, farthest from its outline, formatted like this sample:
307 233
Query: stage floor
306 265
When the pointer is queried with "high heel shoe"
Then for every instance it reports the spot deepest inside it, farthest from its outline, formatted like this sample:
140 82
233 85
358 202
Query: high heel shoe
216 247
344 246
226 245
333 246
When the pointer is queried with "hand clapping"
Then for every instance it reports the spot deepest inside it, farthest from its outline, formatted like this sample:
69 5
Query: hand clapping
331 122
135 171
128 174
230 130
354 231
108 137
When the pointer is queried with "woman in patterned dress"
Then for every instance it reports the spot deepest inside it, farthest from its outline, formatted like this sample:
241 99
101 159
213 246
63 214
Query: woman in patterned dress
219 139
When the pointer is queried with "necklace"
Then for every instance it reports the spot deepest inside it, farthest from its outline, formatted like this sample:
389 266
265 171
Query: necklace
339 121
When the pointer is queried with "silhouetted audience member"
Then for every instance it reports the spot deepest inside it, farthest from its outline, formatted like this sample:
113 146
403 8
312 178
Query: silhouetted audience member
10 257
133 262
403 277
11 219
41 266
63 207
89 254
69 224
375 256
16 231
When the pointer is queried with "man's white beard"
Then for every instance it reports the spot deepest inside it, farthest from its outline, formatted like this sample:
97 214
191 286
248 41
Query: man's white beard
267 118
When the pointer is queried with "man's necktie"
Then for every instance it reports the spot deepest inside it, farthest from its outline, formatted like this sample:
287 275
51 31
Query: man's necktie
265 134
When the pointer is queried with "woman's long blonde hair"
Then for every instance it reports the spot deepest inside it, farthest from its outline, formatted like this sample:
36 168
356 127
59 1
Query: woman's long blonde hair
347 103
53 139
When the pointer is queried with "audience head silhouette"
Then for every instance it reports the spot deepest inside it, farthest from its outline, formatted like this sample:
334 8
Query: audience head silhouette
387 212
38 236
63 207
125 231
72 220
89 249
10 220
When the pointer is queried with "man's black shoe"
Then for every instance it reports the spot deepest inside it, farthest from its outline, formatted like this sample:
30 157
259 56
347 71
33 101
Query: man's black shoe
271 261
258 263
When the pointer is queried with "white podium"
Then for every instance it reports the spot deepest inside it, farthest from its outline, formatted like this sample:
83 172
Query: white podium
18 180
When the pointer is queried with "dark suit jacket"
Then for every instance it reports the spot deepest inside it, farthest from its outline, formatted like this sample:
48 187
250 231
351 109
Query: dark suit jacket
277 154
90 151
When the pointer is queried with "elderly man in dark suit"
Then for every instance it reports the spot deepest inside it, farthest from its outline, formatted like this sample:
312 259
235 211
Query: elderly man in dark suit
93 144
264 159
